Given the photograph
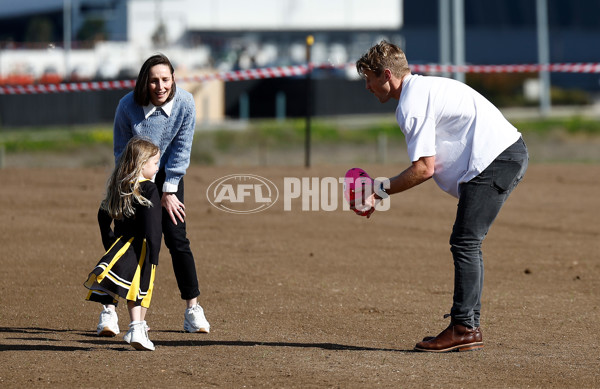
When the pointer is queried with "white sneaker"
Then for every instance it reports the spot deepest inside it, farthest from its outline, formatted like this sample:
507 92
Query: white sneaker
108 325
139 337
127 336
195 320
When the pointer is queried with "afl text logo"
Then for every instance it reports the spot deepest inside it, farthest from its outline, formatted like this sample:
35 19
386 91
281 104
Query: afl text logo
242 193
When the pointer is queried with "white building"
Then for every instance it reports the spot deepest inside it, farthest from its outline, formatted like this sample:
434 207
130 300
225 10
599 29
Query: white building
138 28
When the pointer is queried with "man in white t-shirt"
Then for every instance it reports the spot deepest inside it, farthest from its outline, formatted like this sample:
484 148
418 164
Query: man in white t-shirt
473 153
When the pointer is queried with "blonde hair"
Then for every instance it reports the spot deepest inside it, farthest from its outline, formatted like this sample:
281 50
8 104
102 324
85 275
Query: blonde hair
123 186
383 55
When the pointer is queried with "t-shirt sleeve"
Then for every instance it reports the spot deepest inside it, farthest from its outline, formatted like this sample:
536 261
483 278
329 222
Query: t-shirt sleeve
420 137
151 219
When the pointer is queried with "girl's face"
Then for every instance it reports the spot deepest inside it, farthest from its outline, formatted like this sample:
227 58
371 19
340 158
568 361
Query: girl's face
160 83
150 168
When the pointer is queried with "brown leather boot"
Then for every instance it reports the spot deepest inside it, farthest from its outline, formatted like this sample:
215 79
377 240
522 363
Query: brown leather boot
454 338
478 336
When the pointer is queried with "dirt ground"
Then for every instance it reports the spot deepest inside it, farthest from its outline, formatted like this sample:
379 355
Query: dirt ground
303 299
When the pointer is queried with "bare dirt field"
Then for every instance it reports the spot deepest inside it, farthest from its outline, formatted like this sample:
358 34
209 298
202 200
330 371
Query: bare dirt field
306 299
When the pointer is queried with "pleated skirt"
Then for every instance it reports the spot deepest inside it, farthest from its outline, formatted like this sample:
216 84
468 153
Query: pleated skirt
124 272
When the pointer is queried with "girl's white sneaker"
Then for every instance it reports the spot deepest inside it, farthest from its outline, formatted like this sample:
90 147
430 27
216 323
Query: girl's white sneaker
108 324
139 337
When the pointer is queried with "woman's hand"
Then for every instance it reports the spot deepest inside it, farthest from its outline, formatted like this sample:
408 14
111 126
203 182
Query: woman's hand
174 207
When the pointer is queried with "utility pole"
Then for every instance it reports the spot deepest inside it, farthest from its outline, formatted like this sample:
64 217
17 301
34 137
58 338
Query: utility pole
310 40
445 34
67 5
459 38
543 55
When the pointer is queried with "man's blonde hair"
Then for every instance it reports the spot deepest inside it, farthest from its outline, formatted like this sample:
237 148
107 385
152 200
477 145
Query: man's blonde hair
383 55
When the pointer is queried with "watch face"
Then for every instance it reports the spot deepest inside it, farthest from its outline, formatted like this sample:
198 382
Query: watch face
382 191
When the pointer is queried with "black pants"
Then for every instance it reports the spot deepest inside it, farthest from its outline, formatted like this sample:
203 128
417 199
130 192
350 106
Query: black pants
178 244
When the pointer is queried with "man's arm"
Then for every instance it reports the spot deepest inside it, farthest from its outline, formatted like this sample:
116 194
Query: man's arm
420 171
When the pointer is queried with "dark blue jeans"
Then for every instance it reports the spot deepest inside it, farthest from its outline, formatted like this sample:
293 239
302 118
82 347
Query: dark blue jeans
478 205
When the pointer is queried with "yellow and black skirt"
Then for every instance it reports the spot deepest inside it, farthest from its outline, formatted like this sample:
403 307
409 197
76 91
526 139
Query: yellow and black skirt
124 271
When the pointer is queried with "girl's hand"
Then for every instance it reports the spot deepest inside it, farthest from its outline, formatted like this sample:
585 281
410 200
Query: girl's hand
174 207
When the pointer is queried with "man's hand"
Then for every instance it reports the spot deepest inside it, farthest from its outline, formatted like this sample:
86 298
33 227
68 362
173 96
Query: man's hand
174 207
368 207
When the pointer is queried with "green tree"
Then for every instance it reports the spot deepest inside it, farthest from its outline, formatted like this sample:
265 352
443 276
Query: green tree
92 30
39 29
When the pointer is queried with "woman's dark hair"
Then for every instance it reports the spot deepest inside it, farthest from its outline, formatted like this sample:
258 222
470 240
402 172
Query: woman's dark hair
140 93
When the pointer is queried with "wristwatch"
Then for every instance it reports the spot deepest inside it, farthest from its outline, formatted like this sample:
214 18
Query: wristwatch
381 192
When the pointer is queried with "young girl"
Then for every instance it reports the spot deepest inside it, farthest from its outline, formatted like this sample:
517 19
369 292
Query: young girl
127 268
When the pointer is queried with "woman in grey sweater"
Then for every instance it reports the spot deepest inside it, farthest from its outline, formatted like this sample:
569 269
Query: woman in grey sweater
158 110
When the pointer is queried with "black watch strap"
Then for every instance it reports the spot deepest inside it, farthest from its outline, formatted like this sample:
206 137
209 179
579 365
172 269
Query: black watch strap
381 192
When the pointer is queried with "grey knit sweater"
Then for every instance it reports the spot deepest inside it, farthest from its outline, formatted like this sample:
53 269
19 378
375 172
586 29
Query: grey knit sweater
172 133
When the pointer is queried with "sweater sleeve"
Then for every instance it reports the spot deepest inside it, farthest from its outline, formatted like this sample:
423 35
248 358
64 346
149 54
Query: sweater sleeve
122 130
106 232
151 220
181 145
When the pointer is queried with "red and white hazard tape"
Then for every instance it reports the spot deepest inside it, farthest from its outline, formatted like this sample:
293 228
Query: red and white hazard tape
530 68
299 70
253 74
66 87
526 68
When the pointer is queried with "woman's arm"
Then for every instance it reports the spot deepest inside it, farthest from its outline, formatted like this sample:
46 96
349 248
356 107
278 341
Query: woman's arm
122 131
181 145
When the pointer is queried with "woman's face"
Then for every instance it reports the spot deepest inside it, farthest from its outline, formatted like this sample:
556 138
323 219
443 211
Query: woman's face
160 83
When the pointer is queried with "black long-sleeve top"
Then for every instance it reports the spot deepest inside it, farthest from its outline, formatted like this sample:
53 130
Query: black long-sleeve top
145 224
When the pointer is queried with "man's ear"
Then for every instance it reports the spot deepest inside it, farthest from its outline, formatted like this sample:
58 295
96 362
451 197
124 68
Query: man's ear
388 74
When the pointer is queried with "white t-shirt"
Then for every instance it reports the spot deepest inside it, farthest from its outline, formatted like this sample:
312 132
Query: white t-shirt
447 119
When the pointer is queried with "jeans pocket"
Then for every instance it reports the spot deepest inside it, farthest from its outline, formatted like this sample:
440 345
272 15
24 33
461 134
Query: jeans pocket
505 174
